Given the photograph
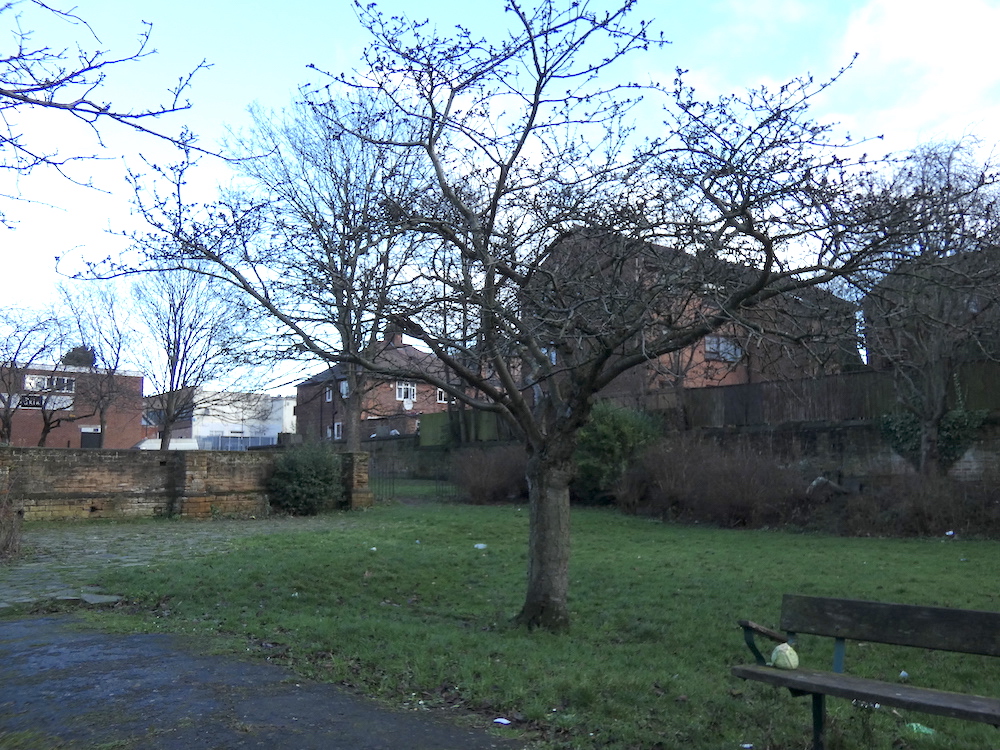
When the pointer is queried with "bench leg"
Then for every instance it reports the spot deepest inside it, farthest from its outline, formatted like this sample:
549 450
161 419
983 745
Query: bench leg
819 711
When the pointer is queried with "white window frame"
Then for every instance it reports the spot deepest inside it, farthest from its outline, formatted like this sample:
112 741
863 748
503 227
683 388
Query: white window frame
443 397
328 395
345 389
338 430
406 390
722 349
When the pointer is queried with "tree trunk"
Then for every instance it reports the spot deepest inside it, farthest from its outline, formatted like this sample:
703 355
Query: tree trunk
165 434
352 421
545 605
930 454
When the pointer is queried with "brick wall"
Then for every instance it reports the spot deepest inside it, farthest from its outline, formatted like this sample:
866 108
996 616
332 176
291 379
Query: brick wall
79 484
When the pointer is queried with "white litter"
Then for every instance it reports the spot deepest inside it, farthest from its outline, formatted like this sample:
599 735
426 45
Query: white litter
479 546
501 720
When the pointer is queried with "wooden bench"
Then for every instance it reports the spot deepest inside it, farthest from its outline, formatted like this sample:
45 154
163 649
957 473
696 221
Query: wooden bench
935 628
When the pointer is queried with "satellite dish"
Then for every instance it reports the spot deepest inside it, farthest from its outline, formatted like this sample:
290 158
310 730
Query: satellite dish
407 403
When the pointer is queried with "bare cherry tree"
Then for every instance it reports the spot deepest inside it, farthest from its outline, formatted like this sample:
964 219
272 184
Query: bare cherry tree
554 250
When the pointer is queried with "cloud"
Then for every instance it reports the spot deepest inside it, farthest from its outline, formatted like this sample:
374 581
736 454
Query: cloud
924 70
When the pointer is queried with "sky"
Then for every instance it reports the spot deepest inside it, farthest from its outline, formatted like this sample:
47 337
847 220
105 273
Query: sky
924 72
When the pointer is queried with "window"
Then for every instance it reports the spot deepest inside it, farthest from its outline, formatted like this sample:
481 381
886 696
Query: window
329 432
49 383
338 430
443 397
328 395
345 389
406 390
722 349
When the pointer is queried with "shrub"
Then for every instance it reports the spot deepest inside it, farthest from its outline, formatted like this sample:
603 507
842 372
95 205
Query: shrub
490 475
10 519
607 446
688 479
914 505
306 480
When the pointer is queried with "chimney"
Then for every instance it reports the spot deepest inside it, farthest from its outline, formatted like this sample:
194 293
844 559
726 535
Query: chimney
393 335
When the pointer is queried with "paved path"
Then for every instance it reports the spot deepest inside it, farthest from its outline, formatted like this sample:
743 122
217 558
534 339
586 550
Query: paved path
63 685
61 559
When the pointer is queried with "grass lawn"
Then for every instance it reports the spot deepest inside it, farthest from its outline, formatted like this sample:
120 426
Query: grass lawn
403 605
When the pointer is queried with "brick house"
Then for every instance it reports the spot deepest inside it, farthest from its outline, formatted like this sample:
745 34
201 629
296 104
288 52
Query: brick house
390 407
78 407
818 330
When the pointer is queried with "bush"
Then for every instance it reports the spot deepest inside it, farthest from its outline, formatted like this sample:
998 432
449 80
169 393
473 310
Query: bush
688 479
914 505
306 480
491 475
607 446
10 520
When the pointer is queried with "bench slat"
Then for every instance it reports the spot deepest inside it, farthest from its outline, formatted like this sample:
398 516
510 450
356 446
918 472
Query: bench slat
940 702
964 631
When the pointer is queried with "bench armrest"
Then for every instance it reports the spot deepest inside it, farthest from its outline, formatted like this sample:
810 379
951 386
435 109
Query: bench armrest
750 628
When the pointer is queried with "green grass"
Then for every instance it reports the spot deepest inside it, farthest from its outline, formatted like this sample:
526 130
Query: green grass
400 604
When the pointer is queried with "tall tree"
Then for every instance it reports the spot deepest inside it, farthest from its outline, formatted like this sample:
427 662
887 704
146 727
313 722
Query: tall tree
334 256
937 306
194 337
536 280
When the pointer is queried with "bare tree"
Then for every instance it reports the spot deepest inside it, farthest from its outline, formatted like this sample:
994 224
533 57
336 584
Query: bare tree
37 76
937 307
55 384
194 337
27 341
536 280
103 326
333 254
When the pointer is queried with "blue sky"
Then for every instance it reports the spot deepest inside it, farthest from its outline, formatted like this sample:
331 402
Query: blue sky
924 72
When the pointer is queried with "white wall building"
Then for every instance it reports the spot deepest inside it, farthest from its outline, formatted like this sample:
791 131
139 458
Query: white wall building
237 421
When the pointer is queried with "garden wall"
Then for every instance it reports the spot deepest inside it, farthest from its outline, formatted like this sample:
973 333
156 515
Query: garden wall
854 450
56 483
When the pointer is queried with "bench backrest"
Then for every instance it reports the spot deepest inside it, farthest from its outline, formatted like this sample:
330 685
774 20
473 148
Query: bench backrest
962 630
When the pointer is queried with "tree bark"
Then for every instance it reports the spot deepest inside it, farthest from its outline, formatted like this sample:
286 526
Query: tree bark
166 434
352 422
930 454
545 604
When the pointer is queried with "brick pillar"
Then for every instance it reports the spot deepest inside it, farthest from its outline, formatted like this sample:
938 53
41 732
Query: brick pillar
354 475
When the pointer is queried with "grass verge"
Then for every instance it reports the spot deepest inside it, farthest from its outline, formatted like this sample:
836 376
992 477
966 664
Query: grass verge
400 603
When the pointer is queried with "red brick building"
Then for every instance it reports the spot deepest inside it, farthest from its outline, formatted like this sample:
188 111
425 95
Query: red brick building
73 407
390 406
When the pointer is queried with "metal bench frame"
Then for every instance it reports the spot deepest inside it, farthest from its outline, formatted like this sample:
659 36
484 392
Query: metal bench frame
933 628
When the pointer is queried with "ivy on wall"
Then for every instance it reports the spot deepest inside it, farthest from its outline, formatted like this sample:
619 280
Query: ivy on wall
957 431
